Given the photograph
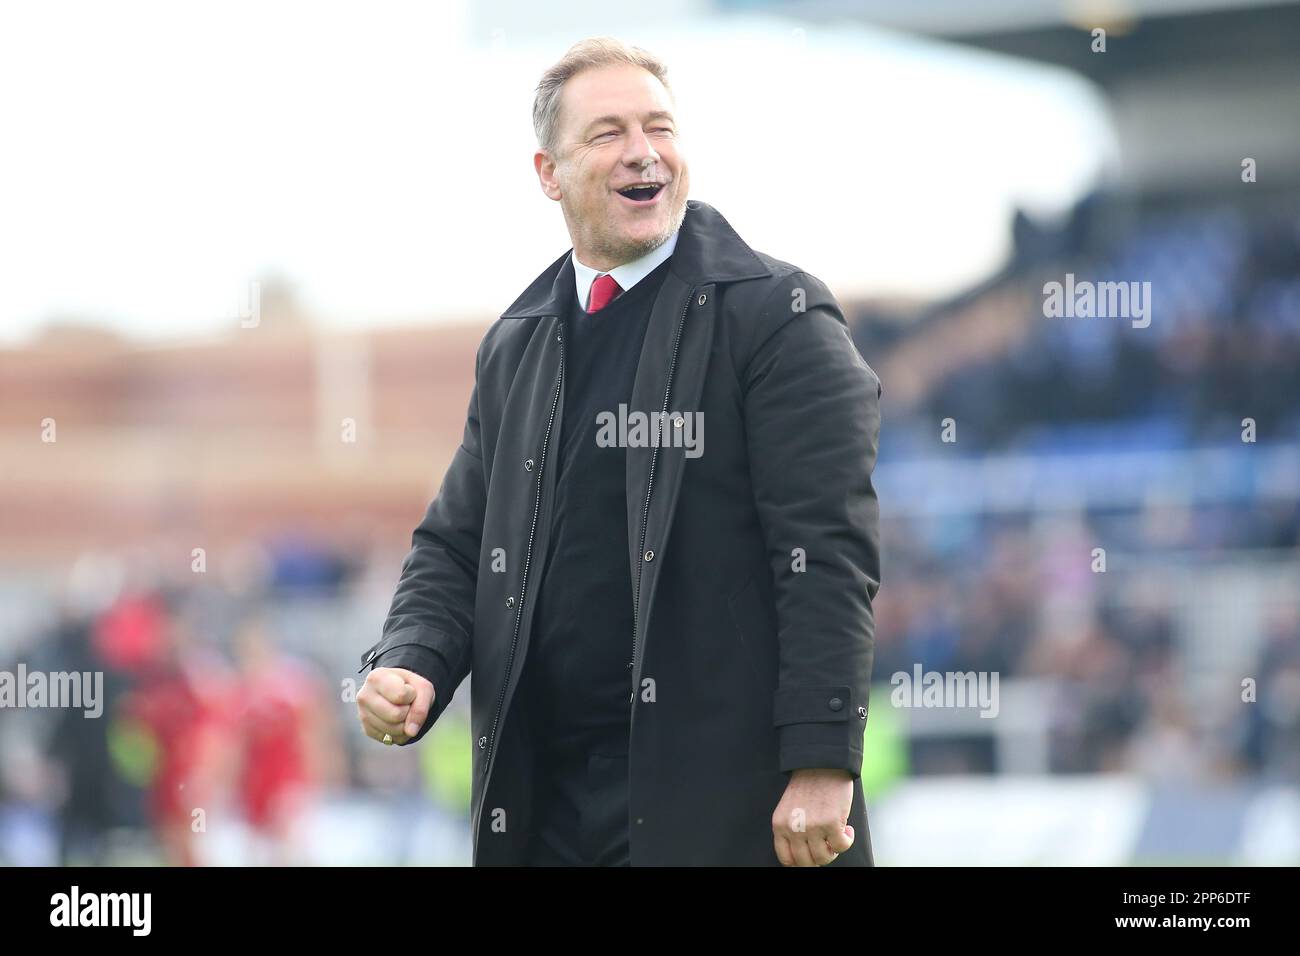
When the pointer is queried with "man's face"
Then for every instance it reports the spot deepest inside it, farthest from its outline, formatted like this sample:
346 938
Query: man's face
616 130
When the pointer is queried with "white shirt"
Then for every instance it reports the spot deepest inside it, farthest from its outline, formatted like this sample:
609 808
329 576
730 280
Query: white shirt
626 275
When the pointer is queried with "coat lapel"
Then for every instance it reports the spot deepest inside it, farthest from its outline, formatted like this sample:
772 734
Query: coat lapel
708 253
657 472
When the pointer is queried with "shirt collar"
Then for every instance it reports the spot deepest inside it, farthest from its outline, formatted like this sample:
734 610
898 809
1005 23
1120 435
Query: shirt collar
626 275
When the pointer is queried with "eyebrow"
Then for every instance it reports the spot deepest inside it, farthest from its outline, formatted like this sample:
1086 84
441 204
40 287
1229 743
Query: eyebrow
657 114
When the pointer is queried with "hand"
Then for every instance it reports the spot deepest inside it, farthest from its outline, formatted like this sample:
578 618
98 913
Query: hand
394 701
810 824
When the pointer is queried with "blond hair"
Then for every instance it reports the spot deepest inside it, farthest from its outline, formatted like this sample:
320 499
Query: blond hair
584 55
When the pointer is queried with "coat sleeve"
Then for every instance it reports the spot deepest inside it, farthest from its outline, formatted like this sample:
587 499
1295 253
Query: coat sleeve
430 625
812 421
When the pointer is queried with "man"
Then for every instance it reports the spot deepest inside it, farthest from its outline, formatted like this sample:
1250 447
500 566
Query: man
670 644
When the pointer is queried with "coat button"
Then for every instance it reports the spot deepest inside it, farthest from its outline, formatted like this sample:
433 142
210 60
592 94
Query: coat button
678 422
862 712
510 601
835 703
528 465
482 743
702 299
649 555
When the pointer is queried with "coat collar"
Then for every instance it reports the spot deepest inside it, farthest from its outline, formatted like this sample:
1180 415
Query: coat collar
708 250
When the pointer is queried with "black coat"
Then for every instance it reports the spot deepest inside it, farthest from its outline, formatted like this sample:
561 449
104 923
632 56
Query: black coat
754 564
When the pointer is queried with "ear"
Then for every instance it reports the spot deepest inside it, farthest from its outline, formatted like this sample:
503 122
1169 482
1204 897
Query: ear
545 167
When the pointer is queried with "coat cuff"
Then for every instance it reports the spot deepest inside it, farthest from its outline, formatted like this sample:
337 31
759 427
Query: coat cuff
820 726
405 651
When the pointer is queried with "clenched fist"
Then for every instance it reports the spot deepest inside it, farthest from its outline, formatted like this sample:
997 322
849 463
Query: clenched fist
810 826
394 701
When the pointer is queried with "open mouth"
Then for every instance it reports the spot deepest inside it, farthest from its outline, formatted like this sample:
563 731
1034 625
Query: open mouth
643 194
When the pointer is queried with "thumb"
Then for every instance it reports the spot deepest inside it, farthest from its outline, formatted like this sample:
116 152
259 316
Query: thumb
840 842
419 711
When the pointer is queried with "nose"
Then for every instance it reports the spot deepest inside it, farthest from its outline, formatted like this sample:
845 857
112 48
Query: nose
640 152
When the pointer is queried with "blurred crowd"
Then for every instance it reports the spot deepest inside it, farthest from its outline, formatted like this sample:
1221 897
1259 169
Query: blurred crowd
1014 591
224 710
185 729
1020 599
1223 344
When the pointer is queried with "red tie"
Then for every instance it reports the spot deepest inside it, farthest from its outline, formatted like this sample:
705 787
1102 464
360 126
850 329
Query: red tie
603 291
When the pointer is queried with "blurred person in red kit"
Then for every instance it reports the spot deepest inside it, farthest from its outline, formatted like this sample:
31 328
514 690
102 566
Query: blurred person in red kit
286 745
179 699
669 642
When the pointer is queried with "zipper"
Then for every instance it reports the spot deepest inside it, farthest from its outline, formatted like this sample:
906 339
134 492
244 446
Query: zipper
528 556
645 513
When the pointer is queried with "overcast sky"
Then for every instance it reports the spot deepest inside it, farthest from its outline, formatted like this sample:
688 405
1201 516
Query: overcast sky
379 156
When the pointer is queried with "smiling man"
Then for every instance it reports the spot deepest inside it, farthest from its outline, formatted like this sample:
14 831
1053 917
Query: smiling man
669 653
